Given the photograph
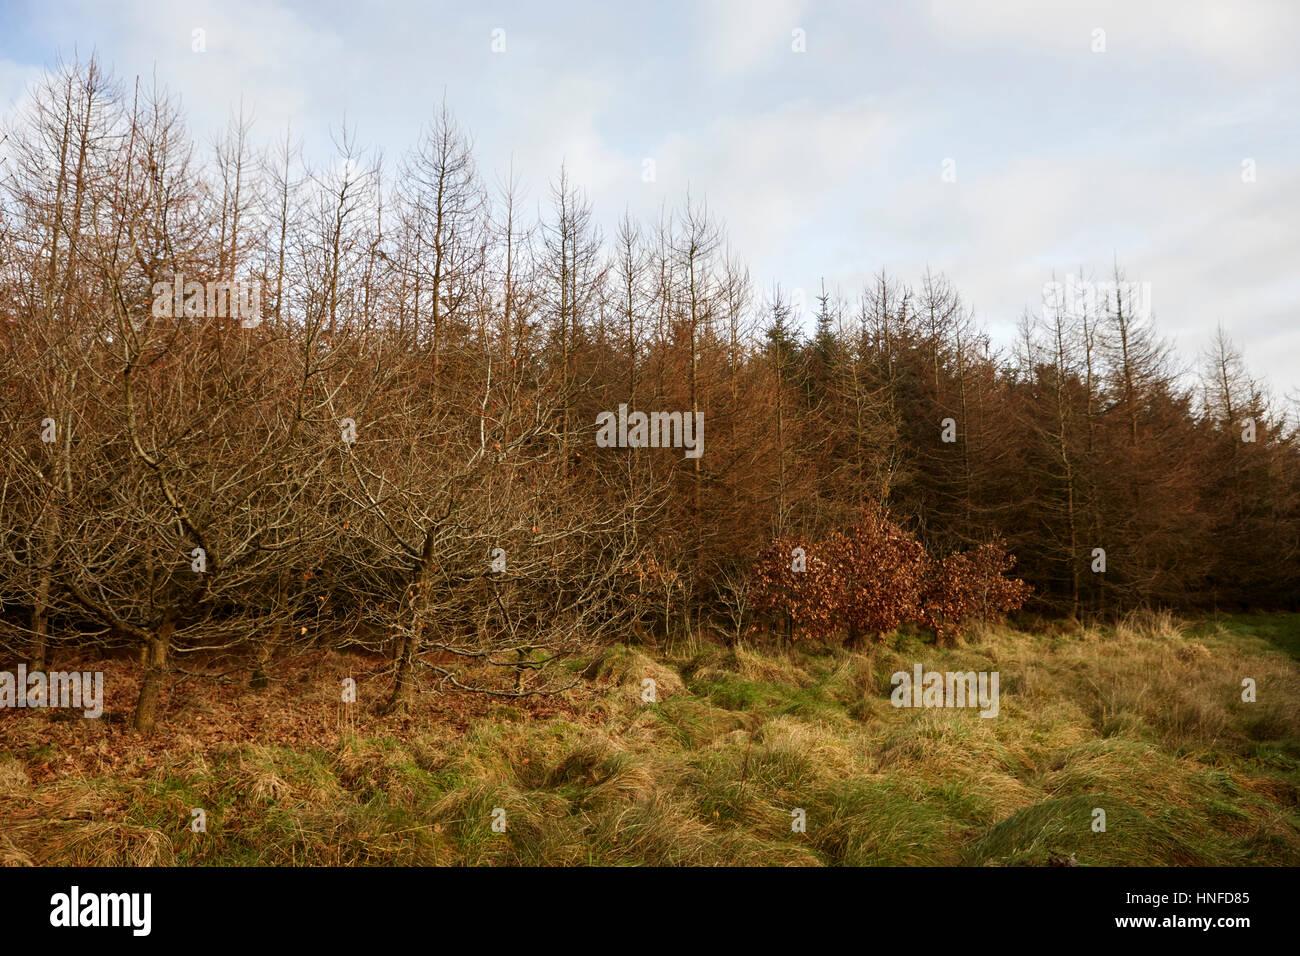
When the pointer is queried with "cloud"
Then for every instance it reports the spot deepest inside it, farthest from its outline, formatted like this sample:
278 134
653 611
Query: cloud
772 175
1212 247
1244 36
736 36
15 80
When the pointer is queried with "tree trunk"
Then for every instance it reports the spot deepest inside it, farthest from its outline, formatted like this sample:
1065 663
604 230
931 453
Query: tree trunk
41 622
155 661
261 661
856 638
404 686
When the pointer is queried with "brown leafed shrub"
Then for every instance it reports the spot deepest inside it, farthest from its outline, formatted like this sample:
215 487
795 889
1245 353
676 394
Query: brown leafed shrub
877 576
970 584
880 573
793 582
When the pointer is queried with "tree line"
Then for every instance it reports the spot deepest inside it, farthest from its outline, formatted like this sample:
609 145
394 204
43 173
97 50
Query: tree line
398 450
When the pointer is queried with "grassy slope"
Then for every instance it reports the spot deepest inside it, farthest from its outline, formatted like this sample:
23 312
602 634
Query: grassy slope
1144 721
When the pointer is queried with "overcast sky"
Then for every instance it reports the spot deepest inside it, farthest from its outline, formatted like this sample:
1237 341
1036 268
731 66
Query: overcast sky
827 163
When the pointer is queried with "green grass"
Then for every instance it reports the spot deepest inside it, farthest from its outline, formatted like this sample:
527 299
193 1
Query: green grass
1143 721
1280 630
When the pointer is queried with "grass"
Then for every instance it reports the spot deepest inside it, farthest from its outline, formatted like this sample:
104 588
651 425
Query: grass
1143 721
1281 630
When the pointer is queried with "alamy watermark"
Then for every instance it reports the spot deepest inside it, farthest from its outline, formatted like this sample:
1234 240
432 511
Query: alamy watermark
946 689
212 300
75 689
1076 298
75 908
651 430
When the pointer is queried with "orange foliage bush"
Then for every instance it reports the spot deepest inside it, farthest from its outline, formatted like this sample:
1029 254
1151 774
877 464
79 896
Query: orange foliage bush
875 577
880 574
793 582
970 584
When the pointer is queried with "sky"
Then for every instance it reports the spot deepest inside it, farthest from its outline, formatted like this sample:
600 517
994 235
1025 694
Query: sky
999 142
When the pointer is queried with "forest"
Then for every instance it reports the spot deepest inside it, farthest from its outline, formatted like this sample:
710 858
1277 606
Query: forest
256 402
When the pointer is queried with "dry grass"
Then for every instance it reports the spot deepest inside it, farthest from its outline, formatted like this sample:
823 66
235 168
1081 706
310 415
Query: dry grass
1143 720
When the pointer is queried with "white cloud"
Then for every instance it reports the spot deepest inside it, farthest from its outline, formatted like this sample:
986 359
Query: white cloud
1246 36
15 80
735 36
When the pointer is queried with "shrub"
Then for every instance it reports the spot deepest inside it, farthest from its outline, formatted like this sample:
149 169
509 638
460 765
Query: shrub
967 585
879 573
876 576
793 582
